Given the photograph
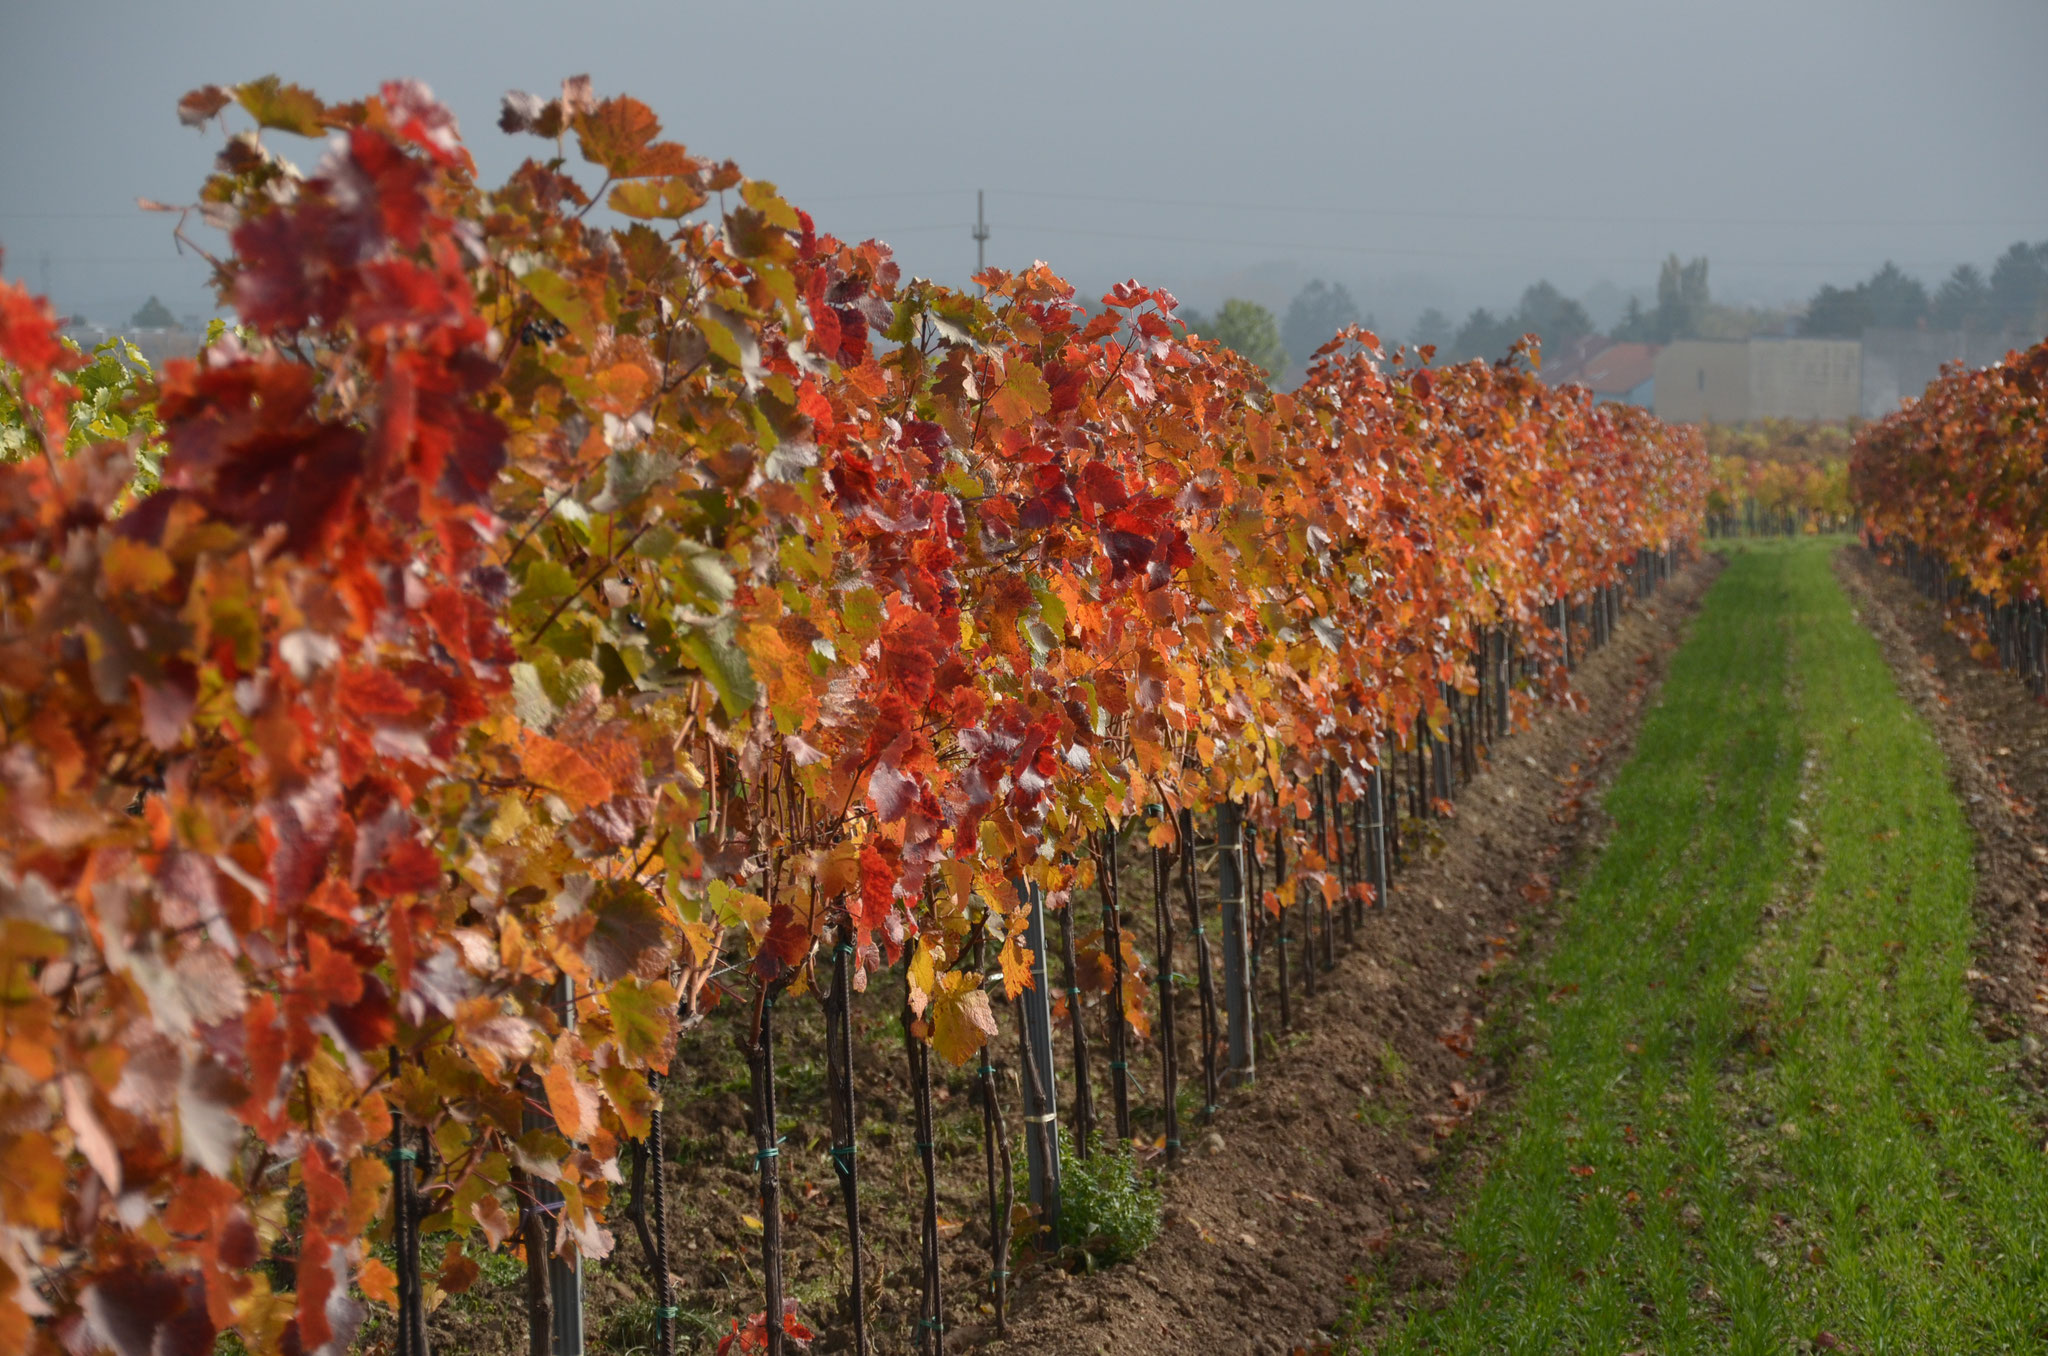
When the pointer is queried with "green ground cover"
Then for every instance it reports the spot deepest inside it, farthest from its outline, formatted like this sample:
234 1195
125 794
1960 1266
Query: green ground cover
1755 1115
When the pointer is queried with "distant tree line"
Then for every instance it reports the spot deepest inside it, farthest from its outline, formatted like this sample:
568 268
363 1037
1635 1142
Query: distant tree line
1246 329
1313 318
2013 297
1543 311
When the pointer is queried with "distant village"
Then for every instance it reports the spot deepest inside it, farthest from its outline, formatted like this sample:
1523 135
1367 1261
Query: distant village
157 334
1734 381
1847 353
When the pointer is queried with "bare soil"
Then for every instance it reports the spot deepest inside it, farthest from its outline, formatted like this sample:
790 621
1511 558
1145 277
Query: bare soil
1995 735
1351 1151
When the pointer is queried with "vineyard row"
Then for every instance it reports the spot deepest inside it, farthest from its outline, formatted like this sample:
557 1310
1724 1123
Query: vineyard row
1952 489
535 632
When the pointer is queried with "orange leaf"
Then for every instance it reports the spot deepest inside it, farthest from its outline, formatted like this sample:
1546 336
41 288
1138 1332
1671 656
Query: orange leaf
135 567
573 1103
378 1282
556 767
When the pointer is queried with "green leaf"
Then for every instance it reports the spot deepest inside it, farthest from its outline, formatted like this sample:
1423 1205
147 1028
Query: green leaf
1051 608
732 339
709 575
630 472
564 301
724 665
641 1017
530 699
861 614
543 583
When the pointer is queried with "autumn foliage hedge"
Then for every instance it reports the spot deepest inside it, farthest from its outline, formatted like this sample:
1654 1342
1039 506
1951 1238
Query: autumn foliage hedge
1958 475
646 598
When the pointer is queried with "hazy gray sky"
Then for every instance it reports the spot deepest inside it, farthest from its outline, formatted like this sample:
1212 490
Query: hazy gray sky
1442 152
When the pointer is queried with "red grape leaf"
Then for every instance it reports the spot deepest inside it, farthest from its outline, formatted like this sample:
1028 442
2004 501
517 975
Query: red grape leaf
200 104
624 929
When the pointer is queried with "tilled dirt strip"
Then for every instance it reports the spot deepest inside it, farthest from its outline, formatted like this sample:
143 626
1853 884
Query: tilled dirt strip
1996 738
1334 1162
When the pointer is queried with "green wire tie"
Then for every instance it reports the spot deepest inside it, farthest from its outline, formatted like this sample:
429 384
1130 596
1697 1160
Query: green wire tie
669 1312
1173 1144
1209 1110
397 1156
842 1158
772 1151
1118 1064
1073 993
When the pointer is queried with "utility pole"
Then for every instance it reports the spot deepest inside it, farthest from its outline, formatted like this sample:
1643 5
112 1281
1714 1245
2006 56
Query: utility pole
980 234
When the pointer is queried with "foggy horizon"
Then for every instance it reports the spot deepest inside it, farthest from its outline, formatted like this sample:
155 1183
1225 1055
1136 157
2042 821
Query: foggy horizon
1445 158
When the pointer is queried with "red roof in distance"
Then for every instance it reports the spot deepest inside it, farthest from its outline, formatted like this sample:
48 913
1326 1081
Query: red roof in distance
1618 368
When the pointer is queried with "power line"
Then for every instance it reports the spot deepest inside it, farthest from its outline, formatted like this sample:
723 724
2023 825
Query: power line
1573 219
1391 251
1262 206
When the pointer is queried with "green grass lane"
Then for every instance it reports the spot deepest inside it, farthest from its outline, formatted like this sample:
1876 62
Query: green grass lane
1753 1107
1905 1187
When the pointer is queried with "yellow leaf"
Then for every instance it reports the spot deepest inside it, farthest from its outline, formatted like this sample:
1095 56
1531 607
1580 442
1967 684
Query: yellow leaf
649 198
511 818
135 567
752 1222
1016 967
1024 394
923 977
741 908
702 940
962 1021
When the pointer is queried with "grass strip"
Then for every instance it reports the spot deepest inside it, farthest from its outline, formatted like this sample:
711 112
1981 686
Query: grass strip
1755 1111
1905 1193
